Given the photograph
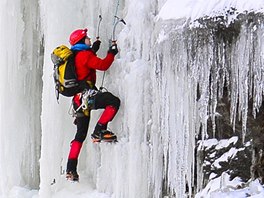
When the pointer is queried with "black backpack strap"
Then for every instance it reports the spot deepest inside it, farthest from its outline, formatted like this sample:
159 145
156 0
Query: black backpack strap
86 84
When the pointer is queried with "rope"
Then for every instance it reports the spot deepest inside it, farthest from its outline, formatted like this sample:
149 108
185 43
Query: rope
101 87
117 5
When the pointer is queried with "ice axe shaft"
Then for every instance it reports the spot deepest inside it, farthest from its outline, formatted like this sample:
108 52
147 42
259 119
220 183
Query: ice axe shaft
98 27
119 20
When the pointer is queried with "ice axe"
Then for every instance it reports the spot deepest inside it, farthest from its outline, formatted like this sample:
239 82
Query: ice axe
98 27
114 28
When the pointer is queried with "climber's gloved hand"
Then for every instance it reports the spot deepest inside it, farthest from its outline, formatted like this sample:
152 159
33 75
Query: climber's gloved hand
113 49
96 46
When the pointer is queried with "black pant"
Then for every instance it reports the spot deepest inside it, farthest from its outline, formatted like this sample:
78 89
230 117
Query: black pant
101 100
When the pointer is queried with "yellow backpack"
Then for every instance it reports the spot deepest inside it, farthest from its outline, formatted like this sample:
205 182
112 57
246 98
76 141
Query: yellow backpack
65 78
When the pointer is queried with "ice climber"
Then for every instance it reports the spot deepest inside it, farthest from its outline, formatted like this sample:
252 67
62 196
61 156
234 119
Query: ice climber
86 63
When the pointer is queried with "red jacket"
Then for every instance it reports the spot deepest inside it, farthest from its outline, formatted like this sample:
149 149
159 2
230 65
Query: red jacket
86 64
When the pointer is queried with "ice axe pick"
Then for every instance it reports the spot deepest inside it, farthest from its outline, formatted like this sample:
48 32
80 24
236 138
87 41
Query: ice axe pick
119 20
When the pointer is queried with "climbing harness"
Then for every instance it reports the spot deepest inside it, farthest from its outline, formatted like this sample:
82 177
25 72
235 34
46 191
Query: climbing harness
87 99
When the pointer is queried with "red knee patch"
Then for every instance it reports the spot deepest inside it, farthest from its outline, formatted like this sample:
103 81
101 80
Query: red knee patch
107 115
75 150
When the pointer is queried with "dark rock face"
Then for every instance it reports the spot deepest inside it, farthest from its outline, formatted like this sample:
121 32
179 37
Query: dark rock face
248 162
226 155
222 60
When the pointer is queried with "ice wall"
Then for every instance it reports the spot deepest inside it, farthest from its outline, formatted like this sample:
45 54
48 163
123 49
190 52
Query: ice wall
59 19
146 162
160 67
154 156
21 88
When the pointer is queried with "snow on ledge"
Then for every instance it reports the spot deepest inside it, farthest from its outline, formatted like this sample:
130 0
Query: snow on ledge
176 9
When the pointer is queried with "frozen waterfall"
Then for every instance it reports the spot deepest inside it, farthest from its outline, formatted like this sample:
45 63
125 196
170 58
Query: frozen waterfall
20 101
170 72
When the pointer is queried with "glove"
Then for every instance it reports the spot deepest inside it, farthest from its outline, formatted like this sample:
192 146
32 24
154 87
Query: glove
96 46
113 49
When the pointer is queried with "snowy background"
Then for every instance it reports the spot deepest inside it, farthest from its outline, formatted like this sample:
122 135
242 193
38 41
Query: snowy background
156 78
